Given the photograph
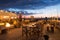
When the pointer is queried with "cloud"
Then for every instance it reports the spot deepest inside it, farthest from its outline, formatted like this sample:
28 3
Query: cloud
50 11
27 4
39 7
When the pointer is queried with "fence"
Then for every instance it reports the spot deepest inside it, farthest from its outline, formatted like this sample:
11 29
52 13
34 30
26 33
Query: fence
32 33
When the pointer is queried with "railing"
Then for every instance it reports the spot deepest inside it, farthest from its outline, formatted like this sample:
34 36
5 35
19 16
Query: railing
32 33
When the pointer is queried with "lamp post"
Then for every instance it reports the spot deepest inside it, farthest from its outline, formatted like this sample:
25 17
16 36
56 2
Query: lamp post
20 19
57 14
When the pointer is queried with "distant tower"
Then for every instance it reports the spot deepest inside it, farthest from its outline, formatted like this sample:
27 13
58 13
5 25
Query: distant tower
46 19
32 18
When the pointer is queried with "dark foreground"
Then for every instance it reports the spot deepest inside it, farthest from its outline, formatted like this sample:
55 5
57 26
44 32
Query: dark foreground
16 34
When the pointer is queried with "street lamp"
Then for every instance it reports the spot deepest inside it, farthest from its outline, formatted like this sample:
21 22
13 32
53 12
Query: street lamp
20 19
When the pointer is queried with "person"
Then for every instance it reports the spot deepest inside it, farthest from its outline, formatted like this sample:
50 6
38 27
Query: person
46 37
48 28
15 26
4 31
52 29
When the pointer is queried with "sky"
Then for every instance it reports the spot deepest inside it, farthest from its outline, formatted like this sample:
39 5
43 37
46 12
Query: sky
39 8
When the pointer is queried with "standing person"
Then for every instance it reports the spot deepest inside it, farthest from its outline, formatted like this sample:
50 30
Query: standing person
48 28
52 29
46 37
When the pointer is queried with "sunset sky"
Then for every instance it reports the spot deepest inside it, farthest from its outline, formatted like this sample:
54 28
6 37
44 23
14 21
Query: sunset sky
39 8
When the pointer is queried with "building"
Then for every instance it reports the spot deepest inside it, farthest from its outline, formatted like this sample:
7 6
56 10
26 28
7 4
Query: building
7 15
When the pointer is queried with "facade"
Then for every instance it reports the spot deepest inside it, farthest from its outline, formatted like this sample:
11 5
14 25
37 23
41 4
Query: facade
7 15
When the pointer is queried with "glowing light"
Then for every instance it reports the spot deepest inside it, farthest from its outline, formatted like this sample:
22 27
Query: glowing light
1 23
12 17
1 10
15 17
6 17
7 25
